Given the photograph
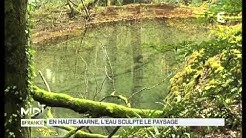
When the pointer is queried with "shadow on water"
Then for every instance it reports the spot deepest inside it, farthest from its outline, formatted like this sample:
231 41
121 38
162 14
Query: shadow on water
115 58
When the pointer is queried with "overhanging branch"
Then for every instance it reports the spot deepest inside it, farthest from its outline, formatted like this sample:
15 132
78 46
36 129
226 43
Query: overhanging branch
94 108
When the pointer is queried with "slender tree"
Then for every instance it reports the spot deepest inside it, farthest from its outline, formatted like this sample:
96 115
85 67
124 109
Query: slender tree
16 67
111 62
137 57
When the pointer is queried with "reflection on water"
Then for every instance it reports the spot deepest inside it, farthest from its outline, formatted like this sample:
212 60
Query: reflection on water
114 58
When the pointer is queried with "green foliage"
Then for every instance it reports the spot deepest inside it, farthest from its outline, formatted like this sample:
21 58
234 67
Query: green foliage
41 6
211 89
229 7
158 132
232 34
44 131
222 37
129 132
210 84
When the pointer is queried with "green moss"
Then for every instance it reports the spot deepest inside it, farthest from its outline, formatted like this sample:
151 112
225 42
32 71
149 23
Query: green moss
96 109
213 91
8 6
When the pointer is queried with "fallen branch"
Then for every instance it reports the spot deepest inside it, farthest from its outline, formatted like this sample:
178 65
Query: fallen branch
114 131
81 134
72 132
94 108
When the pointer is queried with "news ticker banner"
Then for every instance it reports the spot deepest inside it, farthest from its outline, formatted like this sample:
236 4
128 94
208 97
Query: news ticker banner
123 122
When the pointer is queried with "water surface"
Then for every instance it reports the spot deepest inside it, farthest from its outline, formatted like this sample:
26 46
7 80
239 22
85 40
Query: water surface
116 58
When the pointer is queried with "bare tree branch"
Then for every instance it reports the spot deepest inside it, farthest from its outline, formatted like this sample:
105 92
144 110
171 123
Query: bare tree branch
148 88
124 99
72 132
86 10
85 76
44 80
100 88
114 131
48 88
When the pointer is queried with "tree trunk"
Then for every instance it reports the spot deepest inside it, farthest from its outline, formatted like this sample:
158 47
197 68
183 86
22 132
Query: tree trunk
137 63
111 63
16 67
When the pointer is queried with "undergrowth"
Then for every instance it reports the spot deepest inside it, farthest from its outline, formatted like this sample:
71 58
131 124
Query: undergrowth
208 86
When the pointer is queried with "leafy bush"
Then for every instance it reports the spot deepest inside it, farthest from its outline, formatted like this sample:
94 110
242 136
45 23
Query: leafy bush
210 84
229 7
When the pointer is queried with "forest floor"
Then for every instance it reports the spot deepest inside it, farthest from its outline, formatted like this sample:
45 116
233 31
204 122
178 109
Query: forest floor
54 25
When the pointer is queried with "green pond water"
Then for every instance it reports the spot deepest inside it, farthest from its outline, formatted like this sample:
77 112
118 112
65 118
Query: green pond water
115 58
